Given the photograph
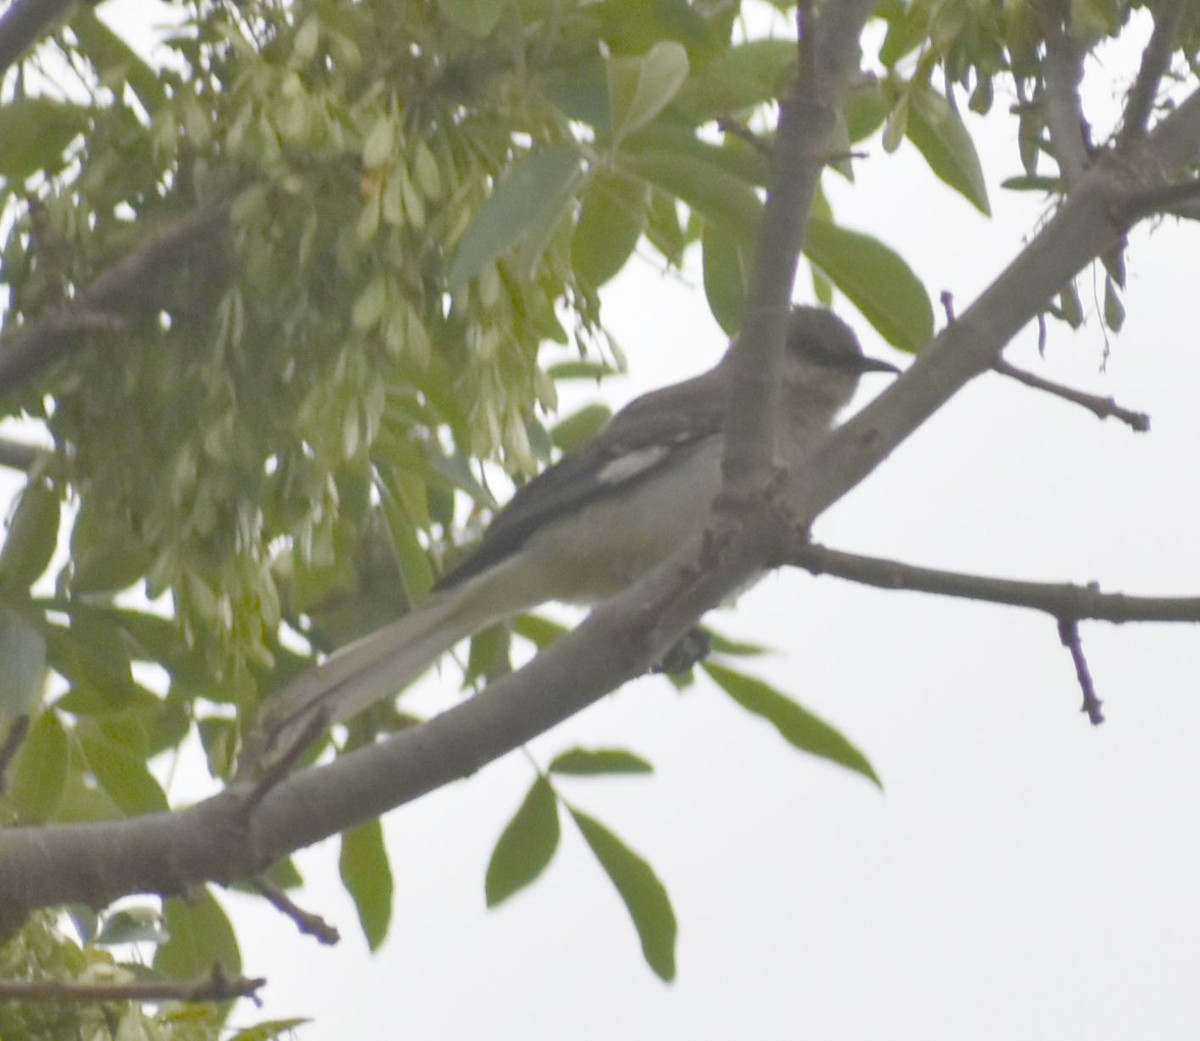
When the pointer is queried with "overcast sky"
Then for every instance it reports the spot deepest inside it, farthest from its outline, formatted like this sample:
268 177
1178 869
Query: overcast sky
1024 875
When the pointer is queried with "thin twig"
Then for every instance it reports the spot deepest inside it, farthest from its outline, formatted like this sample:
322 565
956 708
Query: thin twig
1062 600
736 128
215 987
308 923
1156 61
12 742
1068 632
1102 408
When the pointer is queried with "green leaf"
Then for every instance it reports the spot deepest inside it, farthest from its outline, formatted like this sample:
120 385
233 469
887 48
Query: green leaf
942 138
640 88
875 279
488 655
475 17
587 762
410 554
524 206
580 427
741 77
1033 184
864 110
39 773
83 801
23 658
537 629
610 223
906 31
526 845
1094 17
799 727
739 648
270 1030
32 536
105 555
200 937
161 640
733 155
367 876
580 91
593 371
132 925
724 278
116 61
219 739
36 133
724 199
663 228
1070 308
92 654
643 894
122 774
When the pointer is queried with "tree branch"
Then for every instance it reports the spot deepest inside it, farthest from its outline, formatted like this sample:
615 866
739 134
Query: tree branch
1101 408
828 55
24 23
107 297
17 732
16 455
1068 633
1063 72
308 923
1156 60
217 987
1059 600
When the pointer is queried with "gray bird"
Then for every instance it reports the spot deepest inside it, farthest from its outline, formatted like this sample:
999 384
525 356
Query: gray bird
588 526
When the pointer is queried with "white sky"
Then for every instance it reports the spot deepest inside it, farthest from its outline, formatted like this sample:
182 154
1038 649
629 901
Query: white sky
1023 876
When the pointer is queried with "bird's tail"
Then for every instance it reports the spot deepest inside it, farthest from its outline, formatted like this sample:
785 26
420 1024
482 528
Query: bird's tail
378 665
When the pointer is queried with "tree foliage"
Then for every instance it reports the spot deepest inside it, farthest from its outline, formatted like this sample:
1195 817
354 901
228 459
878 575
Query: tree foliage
283 299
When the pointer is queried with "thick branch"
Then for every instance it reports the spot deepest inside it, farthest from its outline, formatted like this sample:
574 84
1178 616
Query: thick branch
1060 600
110 295
23 25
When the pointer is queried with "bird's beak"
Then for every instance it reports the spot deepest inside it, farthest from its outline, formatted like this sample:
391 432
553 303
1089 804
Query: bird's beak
866 364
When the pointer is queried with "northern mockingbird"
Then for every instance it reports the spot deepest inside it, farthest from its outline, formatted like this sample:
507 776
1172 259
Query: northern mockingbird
589 525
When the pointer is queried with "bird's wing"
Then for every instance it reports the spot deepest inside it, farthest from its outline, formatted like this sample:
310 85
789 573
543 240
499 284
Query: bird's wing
645 436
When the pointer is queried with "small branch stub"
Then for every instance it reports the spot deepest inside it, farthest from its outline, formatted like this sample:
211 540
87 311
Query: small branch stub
1068 632
308 923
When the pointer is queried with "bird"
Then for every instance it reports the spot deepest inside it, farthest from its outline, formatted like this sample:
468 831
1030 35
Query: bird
584 528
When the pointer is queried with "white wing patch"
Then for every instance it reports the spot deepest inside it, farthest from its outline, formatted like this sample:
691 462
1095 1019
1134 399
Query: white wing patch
632 464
